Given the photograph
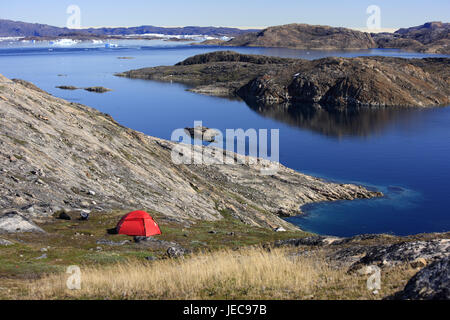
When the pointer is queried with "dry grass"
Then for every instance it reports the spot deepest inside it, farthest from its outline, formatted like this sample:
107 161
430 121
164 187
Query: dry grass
226 274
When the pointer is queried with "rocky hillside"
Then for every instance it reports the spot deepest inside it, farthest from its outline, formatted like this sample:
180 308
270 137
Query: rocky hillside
58 155
304 36
431 37
331 82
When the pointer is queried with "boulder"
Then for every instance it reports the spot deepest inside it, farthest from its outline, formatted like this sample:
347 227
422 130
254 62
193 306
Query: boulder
176 252
64 216
202 133
151 258
84 215
29 209
431 283
5 243
15 222
419 263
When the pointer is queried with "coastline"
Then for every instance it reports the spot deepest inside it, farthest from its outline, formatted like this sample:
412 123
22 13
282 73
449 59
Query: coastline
332 82
246 216
297 188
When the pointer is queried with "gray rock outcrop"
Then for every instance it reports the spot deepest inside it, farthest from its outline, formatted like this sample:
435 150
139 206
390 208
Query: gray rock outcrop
383 251
5 243
404 252
154 243
113 243
430 283
15 222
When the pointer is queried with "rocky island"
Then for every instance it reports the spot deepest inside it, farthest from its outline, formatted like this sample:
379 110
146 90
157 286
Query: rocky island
202 133
328 82
97 89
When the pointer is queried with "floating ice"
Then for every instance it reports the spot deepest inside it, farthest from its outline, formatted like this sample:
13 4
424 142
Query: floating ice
64 42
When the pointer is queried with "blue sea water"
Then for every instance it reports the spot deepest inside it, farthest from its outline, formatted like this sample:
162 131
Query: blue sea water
404 153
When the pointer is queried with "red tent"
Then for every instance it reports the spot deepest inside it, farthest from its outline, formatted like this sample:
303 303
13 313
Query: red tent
138 223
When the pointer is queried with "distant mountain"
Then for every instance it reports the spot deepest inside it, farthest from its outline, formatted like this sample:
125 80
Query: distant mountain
304 36
427 33
10 28
189 30
432 37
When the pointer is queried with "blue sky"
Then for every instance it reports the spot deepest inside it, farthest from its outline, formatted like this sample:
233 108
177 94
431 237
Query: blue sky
346 13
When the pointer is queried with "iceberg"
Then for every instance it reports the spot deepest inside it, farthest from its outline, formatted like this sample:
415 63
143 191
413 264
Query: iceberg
10 38
64 42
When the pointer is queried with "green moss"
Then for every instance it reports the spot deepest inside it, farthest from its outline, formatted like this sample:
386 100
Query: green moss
103 257
127 155
21 142
75 242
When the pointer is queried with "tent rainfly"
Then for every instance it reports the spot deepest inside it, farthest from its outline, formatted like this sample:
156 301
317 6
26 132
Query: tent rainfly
138 223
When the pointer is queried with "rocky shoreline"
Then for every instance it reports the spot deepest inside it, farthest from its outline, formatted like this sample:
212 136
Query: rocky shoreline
328 82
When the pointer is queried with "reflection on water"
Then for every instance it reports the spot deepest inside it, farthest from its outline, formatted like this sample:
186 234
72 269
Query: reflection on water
360 122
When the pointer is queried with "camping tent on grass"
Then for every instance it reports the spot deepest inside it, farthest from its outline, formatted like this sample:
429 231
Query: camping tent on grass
138 223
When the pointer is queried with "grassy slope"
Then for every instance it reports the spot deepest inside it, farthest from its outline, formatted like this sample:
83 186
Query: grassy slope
75 243
222 266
